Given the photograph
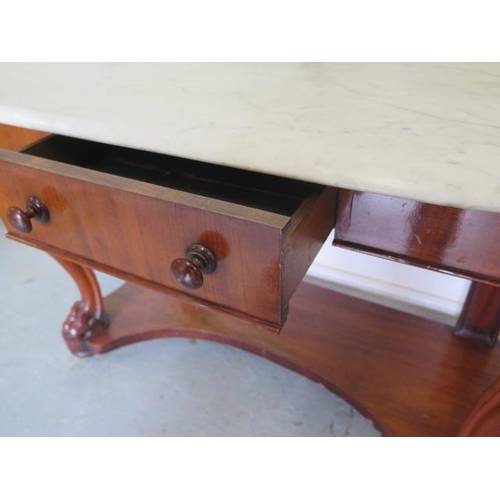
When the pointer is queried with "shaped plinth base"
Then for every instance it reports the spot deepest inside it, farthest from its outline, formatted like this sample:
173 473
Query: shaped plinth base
407 374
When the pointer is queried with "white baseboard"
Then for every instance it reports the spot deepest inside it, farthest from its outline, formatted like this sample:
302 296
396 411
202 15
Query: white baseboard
413 301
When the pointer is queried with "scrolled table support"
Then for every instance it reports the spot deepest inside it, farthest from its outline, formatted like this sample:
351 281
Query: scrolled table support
480 317
87 317
484 420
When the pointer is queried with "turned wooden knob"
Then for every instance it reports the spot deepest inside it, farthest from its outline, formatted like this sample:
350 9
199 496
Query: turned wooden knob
21 220
189 272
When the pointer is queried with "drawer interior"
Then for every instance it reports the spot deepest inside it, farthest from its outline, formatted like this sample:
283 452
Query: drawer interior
261 191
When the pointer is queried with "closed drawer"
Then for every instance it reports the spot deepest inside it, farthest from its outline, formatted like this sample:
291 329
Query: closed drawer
132 213
458 241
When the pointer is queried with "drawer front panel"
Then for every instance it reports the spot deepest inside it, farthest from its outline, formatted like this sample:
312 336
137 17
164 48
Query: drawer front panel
462 242
143 234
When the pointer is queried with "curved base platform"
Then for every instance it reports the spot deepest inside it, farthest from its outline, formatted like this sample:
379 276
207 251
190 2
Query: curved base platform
409 375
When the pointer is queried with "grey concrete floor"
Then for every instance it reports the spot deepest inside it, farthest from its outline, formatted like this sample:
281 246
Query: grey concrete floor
168 387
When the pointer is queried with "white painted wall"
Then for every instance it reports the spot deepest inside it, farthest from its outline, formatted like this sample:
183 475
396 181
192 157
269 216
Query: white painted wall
428 293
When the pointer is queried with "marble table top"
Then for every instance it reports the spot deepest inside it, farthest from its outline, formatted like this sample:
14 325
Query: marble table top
425 131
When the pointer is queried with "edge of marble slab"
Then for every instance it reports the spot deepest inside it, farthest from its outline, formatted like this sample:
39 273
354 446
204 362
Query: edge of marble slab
488 199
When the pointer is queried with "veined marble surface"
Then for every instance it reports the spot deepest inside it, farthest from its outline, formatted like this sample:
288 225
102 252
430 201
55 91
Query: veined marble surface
430 132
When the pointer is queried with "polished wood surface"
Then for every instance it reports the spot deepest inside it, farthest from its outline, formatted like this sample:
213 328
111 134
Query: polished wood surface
129 225
461 242
408 374
16 137
87 316
480 318
132 213
484 420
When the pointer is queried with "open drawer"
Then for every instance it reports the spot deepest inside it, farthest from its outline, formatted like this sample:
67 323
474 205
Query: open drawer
137 215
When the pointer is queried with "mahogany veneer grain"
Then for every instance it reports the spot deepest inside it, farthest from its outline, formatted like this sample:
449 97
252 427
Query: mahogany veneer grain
264 232
461 242
480 318
17 137
408 374
484 421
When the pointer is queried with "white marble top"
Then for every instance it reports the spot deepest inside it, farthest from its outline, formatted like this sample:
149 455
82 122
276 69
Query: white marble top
430 132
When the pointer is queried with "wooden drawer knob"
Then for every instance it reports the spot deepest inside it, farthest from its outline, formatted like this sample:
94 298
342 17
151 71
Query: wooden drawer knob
189 272
21 220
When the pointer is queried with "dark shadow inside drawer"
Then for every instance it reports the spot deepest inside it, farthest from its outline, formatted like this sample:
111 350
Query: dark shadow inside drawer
261 191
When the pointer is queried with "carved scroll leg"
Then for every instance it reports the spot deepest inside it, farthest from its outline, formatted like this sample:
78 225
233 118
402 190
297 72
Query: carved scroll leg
87 317
480 318
485 418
